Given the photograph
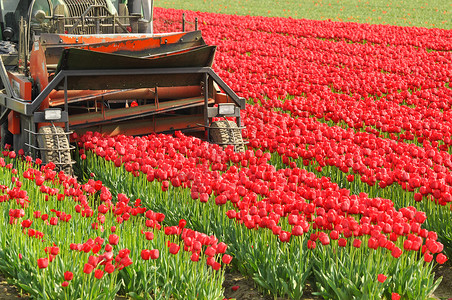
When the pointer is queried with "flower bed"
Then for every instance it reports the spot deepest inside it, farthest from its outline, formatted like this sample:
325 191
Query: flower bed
289 224
346 180
64 240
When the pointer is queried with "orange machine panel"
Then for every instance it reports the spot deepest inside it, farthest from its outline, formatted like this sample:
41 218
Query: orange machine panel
21 85
22 88
14 122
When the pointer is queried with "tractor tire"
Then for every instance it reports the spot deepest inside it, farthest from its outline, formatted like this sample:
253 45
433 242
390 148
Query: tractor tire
6 136
54 138
225 136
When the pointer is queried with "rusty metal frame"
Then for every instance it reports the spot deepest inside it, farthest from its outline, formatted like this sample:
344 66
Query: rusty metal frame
28 108
60 81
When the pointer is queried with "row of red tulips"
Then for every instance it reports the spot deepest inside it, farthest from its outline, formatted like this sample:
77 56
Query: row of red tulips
380 117
339 79
404 172
61 239
377 160
287 203
437 39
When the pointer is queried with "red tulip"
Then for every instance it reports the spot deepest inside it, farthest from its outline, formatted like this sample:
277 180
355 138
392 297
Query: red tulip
297 230
221 248
342 242
149 235
194 257
174 248
210 251
54 250
428 257
226 259
26 223
126 261
108 248
53 221
357 243
182 223
311 244
441 258
98 273
395 296
88 268
324 239
396 252
109 268
93 260
154 253
113 239
68 275
145 254
43 263
381 278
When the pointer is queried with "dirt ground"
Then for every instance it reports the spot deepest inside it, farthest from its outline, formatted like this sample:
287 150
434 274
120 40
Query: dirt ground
9 292
247 291
444 291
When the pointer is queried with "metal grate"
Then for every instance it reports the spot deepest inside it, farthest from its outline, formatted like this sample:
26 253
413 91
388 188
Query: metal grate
76 9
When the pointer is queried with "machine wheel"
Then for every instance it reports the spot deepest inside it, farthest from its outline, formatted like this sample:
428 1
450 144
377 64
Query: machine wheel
7 136
225 136
54 138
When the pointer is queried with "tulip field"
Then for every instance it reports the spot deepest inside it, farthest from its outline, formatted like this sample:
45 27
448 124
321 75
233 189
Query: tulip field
345 186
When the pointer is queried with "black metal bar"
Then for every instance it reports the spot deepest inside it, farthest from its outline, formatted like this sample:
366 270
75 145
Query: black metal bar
66 106
221 144
240 101
191 70
14 104
4 116
227 128
183 22
206 104
52 133
5 79
30 108
196 24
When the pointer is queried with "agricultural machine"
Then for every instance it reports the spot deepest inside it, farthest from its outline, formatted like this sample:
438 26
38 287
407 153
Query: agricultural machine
96 65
